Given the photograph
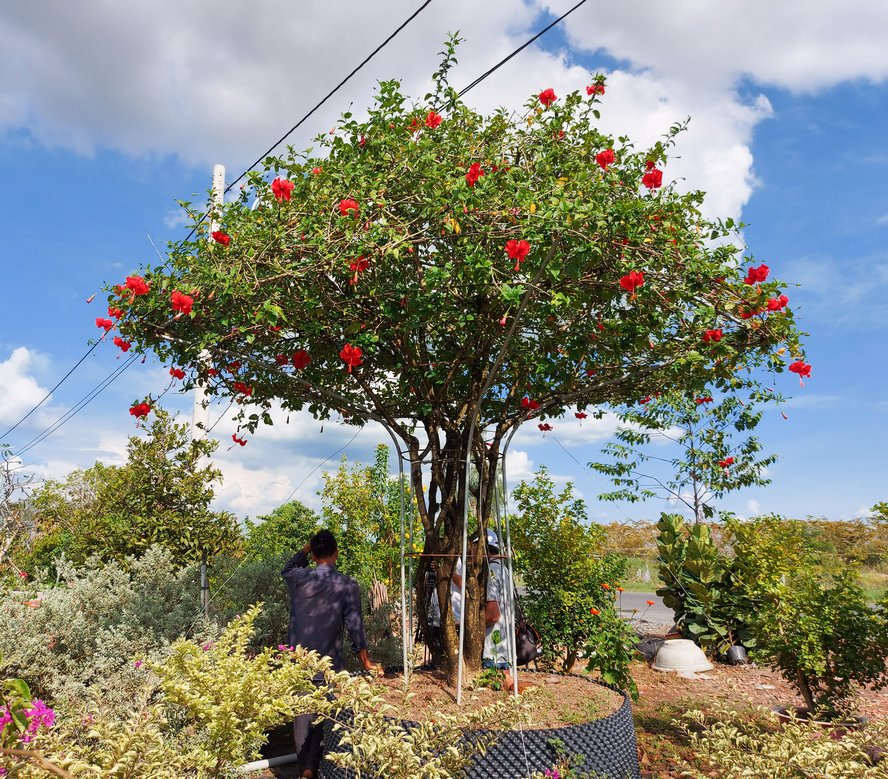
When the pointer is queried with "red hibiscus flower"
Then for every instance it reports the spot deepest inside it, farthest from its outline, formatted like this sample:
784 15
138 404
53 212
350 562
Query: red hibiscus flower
754 275
645 401
776 304
530 405
712 336
300 359
282 189
544 427
595 89
801 368
115 312
243 389
352 356
212 372
316 171
349 207
474 174
653 179
701 401
748 313
177 373
238 441
605 158
182 303
632 281
433 120
548 96
726 462
594 612
223 238
105 324
124 346
140 410
414 125
281 359
358 266
580 414
518 251
137 285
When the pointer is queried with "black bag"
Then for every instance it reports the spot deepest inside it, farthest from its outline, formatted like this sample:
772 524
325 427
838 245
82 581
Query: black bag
527 640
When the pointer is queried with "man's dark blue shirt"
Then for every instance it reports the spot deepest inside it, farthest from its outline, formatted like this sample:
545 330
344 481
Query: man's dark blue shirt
322 601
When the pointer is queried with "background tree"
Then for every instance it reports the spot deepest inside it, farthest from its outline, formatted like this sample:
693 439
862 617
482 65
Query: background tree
561 560
281 533
449 275
161 495
709 462
16 525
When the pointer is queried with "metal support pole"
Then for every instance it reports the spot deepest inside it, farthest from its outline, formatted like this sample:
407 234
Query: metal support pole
510 609
404 638
204 588
465 568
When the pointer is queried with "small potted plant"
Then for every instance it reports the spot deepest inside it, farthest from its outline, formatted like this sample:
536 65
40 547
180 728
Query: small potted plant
826 640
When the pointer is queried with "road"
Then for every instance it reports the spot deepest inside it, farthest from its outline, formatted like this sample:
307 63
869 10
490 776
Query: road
634 607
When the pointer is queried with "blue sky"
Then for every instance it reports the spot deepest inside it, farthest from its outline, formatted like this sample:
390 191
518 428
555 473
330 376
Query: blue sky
108 117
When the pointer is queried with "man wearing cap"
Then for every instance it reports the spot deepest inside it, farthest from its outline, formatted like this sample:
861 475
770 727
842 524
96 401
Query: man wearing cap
496 646
322 603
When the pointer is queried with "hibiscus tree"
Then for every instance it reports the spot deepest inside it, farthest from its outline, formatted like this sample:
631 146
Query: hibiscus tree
390 277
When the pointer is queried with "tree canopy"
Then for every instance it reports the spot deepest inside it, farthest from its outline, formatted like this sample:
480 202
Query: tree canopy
451 275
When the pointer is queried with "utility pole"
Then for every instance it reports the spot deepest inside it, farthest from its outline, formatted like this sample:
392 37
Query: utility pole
200 416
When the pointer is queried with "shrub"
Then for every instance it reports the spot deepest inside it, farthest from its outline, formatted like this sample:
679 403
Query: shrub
825 639
84 634
733 746
559 555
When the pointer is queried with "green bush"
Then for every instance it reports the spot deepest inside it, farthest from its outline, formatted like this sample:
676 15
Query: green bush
734 746
85 634
560 558
825 639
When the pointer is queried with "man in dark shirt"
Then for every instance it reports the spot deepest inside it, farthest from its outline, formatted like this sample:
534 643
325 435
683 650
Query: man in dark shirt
322 602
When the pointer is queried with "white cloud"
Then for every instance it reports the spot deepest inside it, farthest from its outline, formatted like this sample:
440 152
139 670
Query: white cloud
21 390
753 507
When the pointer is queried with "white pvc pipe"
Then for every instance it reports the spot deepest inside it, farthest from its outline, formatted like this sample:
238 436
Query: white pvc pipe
271 762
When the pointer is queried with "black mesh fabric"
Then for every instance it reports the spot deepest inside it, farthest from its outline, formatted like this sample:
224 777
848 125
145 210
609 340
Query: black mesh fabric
607 747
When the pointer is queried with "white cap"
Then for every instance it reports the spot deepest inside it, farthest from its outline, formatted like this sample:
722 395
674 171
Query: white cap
492 538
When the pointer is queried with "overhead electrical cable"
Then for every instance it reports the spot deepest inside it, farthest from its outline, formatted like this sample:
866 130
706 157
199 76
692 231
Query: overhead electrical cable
317 106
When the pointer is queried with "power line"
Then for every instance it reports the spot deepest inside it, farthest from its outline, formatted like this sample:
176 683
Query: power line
332 92
59 384
354 71
277 143
521 48
79 406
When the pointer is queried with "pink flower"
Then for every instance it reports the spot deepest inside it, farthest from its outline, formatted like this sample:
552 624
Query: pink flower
548 96
605 158
474 173
137 664
282 189
349 207
758 274
181 302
